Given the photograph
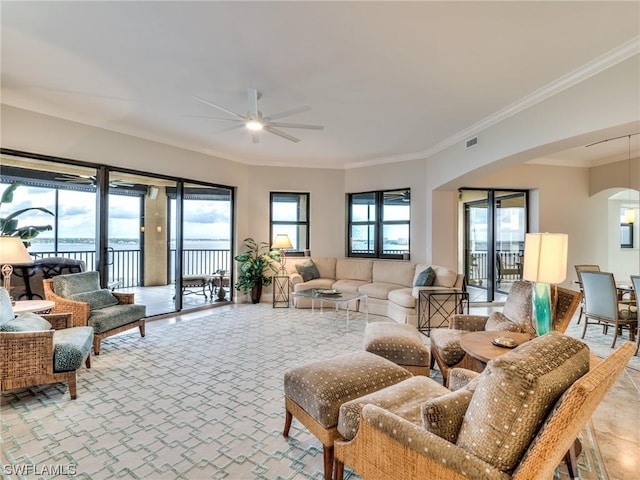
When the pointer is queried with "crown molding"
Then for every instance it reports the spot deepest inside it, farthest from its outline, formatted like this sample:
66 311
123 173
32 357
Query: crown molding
588 70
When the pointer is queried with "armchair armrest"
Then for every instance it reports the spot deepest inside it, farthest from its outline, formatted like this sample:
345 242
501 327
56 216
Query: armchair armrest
80 311
25 354
295 278
59 321
461 377
124 298
471 323
410 450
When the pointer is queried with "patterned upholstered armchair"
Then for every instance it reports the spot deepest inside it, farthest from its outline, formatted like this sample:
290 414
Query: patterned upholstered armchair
487 429
107 312
515 317
36 350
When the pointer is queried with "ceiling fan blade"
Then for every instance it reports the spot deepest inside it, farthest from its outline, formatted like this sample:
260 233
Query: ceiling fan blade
296 125
217 118
255 137
252 96
287 113
214 105
280 133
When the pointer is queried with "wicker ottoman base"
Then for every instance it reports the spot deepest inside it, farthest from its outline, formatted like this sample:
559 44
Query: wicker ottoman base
400 343
314 393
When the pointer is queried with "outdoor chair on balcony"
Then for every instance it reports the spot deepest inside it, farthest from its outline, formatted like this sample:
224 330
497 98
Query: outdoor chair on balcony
40 349
508 270
107 312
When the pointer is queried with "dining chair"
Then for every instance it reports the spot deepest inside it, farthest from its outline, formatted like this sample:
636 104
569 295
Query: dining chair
602 304
635 281
580 269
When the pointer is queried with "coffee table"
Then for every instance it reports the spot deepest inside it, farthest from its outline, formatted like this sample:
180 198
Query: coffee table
341 298
480 348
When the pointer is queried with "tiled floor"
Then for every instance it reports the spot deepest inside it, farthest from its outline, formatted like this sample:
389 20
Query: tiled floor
616 421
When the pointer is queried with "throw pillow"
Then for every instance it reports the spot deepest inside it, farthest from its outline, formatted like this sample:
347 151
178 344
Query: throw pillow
97 299
27 322
308 270
72 283
443 415
498 322
425 278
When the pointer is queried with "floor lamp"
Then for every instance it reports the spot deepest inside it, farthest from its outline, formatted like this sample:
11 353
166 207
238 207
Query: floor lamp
12 252
282 243
545 263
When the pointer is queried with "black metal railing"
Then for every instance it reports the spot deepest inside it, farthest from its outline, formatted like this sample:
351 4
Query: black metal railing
124 266
478 265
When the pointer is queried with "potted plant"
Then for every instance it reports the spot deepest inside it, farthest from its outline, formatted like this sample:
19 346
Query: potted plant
9 224
257 267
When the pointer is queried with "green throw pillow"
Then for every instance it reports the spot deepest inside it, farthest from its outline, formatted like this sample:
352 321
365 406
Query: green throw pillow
97 299
308 270
27 322
425 278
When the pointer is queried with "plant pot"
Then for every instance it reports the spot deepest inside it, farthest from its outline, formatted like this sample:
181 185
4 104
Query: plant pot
256 293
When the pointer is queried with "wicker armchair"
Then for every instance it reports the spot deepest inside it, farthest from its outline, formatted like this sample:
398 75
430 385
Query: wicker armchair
86 302
515 316
388 444
37 350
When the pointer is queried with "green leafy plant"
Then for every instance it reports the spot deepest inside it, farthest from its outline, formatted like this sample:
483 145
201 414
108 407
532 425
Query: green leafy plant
9 224
257 265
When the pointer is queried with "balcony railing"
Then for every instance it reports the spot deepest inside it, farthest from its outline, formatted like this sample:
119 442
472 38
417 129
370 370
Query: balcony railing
125 266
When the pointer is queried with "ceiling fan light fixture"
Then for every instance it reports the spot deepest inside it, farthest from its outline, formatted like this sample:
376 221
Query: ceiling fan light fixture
254 125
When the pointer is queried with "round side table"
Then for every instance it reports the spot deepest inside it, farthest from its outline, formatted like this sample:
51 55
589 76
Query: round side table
34 306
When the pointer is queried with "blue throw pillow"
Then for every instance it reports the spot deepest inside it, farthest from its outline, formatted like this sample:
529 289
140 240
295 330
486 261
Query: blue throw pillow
308 270
425 278
27 322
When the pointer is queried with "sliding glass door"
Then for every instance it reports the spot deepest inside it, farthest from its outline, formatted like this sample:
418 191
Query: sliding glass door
494 223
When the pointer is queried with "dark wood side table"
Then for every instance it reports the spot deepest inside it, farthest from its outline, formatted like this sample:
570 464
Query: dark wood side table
281 286
438 305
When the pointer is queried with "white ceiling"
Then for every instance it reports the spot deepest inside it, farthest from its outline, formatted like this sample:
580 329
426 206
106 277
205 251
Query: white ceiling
388 80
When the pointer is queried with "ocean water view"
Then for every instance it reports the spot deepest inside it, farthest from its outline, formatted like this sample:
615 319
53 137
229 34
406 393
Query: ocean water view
86 245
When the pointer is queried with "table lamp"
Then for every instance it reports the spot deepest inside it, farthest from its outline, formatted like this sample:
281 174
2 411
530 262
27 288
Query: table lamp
545 263
12 252
282 242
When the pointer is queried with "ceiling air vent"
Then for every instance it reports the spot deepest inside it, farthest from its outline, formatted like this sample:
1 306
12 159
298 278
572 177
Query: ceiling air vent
472 142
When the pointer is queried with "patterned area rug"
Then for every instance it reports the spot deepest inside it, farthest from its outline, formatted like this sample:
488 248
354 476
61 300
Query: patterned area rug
201 398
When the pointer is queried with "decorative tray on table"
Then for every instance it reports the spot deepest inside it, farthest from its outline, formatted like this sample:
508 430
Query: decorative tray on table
504 342
327 291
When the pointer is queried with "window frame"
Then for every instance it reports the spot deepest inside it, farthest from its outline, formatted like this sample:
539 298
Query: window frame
296 196
378 223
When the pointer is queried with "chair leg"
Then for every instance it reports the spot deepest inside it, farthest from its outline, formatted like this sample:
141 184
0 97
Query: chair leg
339 473
615 335
327 453
96 346
87 362
71 382
287 423
141 327
580 316
570 459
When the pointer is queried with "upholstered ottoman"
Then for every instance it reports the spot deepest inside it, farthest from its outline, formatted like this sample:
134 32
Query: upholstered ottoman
314 393
400 343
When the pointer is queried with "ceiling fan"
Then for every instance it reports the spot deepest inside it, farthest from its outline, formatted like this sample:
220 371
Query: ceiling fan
90 180
255 120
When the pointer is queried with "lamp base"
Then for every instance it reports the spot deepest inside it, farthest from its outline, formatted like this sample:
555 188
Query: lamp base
542 307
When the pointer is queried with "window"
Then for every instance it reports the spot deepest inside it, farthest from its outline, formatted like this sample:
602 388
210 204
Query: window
290 215
379 223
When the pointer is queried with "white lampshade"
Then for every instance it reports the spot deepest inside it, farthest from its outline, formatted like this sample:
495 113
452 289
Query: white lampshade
13 251
545 257
282 241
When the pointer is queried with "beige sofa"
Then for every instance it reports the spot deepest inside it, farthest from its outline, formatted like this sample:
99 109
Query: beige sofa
388 284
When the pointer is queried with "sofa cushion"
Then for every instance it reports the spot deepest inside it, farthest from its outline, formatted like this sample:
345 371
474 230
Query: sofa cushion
390 271
350 269
72 283
27 322
350 286
6 310
315 283
425 278
108 318
308 270
498 322
96 298
443 415
402 297
518 307
514 395
404 399
71 346
378 289
326 266
446 341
